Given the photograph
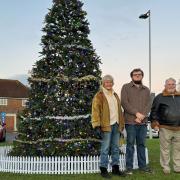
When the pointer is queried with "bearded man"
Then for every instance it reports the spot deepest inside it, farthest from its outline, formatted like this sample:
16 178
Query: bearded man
135 99
165 116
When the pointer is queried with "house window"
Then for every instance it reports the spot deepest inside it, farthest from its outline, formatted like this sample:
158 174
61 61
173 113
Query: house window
3 102
24 102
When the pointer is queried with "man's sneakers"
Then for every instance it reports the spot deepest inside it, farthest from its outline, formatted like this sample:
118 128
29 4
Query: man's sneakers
166 171
142 170
146 170
129 172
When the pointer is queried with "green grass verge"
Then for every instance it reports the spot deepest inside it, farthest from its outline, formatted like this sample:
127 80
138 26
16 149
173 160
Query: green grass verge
6 143
153 148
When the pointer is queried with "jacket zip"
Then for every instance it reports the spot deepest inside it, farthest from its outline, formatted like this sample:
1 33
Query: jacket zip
175 102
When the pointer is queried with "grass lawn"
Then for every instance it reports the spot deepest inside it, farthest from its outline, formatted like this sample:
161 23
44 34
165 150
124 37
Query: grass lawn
5 143
153 148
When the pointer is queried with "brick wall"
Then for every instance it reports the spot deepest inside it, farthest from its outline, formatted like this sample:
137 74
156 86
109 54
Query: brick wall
13 107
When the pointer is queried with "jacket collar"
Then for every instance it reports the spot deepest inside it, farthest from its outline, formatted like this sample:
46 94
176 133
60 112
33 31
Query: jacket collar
133 84
101 90
165 93
105 91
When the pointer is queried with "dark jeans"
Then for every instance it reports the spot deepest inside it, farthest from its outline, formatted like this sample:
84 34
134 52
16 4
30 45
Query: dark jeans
136 133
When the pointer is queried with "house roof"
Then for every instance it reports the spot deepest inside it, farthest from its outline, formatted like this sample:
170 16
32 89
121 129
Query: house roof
13 89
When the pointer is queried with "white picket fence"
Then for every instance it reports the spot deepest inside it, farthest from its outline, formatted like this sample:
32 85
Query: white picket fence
55 165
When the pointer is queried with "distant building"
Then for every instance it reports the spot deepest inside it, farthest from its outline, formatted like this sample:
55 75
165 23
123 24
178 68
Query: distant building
13 98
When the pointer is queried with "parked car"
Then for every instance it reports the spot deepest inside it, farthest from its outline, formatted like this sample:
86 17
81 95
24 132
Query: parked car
2 132
155 133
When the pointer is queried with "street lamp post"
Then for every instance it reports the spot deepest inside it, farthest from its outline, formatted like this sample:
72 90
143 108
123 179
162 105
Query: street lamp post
145 16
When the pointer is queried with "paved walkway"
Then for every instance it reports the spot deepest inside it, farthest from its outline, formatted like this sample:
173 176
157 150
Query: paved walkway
10 136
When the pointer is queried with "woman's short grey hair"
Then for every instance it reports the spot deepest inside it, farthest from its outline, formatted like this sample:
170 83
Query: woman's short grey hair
170 79
107 78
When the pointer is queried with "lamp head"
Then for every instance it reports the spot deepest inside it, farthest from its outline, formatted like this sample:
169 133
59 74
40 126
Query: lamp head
145 16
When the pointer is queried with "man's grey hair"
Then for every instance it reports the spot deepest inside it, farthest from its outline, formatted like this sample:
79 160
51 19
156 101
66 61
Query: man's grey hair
170 79
107 78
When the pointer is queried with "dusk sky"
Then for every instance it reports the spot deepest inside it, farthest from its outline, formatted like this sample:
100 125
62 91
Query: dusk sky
118 35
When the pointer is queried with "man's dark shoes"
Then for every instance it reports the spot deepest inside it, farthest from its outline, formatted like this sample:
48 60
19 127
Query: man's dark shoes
116 171
104 173
146 170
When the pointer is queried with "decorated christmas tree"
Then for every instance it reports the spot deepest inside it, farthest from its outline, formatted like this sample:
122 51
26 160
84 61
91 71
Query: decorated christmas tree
57 121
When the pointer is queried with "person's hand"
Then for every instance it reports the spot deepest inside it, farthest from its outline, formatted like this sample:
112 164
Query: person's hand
155 125
137 120
123 133
98 132
140 116
156 128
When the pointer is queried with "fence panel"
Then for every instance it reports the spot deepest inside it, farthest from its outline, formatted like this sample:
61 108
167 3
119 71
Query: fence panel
56 165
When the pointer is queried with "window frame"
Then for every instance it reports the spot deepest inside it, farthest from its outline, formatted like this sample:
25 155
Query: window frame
24 101
3 101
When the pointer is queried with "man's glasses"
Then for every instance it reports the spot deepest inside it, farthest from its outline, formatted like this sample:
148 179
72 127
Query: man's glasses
139 74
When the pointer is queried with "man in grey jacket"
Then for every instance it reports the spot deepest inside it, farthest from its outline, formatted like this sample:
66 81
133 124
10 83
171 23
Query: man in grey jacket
135 99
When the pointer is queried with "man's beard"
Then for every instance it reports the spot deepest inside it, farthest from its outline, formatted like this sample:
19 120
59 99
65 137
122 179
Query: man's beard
137 82
171 91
